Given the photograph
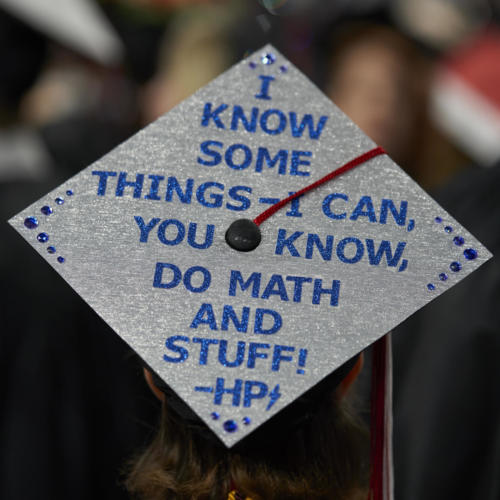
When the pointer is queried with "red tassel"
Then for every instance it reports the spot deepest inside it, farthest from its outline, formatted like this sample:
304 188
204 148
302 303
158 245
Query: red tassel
348 166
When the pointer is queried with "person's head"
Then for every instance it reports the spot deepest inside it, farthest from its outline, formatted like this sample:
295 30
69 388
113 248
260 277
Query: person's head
377 77
314 449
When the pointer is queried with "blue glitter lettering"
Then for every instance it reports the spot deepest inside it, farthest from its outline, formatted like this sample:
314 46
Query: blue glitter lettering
204 316
399 217
302 361
327 209
253 353
359 212
208 115
384 248
253 281
276 286
297 289
334 292
217 198
259 321
278 357
181 351
217 157
294 206
264 87
239 115
263 155
282 241
145 228
173 185
228 314
341 250
240 354
123 183
158 277
249 395
220 390
245 202
296 161
229 156
207 278
153 189
103 180
307 121
325 251
209 236
162 228
264 121
269 201
204 346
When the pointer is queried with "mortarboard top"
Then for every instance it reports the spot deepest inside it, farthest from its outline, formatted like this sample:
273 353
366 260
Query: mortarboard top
239 335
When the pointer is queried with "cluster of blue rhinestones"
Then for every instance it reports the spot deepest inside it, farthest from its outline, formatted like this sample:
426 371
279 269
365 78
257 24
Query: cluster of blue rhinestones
230 425
267 58
455 266
43 237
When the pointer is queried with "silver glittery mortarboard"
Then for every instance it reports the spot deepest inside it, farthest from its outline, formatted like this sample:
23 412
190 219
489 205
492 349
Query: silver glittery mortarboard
140 235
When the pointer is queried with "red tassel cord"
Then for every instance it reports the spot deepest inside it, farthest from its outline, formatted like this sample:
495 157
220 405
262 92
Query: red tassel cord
380 480
335 173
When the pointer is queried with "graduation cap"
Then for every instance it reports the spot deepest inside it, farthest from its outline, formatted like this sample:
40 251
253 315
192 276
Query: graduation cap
79 24
239 304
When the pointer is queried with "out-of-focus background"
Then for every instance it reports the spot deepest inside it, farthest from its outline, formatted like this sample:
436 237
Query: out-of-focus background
421 77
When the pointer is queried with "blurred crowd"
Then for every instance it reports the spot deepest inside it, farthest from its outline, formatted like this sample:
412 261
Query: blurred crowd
421 78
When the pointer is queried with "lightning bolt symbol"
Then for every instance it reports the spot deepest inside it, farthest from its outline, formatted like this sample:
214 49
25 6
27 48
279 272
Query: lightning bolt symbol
274 395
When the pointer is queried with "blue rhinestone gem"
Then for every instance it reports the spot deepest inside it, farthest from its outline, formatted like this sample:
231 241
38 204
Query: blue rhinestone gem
443 276
246 420
438 220
43 237
31 222
252 65
230 426
46 210
214 415
69 192
51 249
470 254
283 69
448 229
431 287
458 240
59 200
268 58
455 266
60 259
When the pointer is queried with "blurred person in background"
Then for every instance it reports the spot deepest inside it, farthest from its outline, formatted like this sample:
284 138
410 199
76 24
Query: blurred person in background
446 404
73 404
380 79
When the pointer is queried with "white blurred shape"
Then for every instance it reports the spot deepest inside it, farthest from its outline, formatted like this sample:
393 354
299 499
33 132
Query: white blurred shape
467 116
78 24
440 23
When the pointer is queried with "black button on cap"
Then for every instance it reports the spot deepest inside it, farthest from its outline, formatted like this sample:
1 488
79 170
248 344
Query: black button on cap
243 235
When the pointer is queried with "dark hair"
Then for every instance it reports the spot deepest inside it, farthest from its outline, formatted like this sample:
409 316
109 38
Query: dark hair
320 457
